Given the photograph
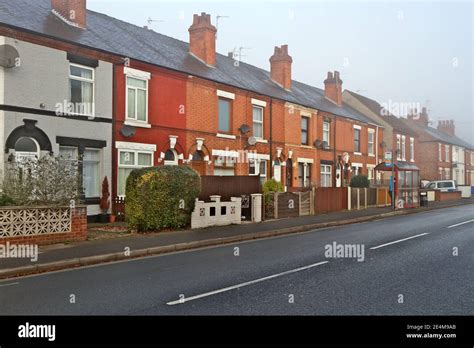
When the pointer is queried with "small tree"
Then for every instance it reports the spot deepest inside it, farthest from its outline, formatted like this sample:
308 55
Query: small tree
45 181
360 181
269 188
104 200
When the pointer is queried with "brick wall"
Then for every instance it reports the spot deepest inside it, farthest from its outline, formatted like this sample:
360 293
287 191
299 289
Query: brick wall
78 232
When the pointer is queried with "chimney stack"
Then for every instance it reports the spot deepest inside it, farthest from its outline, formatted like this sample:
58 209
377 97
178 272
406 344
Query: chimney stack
333 87
202 39
420 118
280 67
71 11
447 126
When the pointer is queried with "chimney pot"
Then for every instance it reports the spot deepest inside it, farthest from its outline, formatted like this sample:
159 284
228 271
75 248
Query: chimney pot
447 126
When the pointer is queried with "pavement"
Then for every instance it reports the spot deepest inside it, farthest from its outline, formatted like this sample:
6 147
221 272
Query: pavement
416 264
87 253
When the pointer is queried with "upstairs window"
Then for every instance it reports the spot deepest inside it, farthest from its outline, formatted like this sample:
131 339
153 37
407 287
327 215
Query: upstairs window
225 107
412 149
258 122
304 130
326 132
81 89
137 99
446 149
357 140
403 148
371 142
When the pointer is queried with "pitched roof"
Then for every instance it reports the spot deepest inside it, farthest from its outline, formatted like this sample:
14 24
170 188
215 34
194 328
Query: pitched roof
438 135
384 114
114 36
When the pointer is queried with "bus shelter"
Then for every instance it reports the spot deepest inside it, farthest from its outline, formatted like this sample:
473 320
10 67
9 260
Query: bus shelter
405 182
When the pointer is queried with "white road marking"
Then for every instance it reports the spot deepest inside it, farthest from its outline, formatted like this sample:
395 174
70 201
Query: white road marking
398 241
461 223
183 300
10 284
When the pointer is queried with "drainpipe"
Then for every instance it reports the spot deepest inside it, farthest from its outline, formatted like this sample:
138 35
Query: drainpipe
112 146
271 138
334 180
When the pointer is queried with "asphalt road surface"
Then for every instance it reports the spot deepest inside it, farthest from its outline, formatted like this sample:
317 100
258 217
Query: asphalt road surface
420 264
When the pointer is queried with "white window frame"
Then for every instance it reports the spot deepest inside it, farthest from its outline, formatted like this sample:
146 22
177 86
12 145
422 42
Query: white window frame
137 75
327 132
446 152
404 148
83 79
440 153
100 170
412 149
176 159
136 150
324 173
371 171
371 133
257 121
399 147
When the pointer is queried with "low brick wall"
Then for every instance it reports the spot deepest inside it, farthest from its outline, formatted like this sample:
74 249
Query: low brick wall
42 225
447 196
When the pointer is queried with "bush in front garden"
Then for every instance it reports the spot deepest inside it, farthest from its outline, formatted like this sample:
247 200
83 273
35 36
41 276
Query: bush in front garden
360 181
161 197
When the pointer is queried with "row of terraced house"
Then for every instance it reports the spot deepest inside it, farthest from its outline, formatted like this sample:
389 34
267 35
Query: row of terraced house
120 97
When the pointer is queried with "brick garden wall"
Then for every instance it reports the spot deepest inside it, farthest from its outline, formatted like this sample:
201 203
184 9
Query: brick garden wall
23 230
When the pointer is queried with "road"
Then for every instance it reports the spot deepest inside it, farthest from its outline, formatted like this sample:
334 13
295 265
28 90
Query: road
419 264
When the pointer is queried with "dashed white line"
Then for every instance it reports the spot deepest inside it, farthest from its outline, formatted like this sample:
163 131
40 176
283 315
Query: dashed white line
398 241
187 299
10 284
461 223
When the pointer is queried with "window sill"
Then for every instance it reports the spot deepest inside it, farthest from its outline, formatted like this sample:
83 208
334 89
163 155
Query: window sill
358 153
262 141
137 124
306 146
371 155
226 136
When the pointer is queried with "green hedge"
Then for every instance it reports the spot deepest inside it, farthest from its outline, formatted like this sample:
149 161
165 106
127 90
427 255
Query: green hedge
360 181
161 197
272 186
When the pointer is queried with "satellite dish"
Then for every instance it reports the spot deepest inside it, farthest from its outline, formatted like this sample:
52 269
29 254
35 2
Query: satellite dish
244 129
318 143
128 131
252 141
9 56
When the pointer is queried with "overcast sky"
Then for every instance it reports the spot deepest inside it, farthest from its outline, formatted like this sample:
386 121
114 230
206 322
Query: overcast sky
397 53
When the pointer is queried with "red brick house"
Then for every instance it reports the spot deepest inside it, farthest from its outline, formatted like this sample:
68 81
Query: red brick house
441 154
176 103
398 137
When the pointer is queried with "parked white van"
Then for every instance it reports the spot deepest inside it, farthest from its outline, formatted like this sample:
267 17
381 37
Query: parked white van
441 185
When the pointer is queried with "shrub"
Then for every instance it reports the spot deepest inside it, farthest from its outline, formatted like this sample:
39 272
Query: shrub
272 186
360 181
161 197
104 200
269 188
45 181
6 201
